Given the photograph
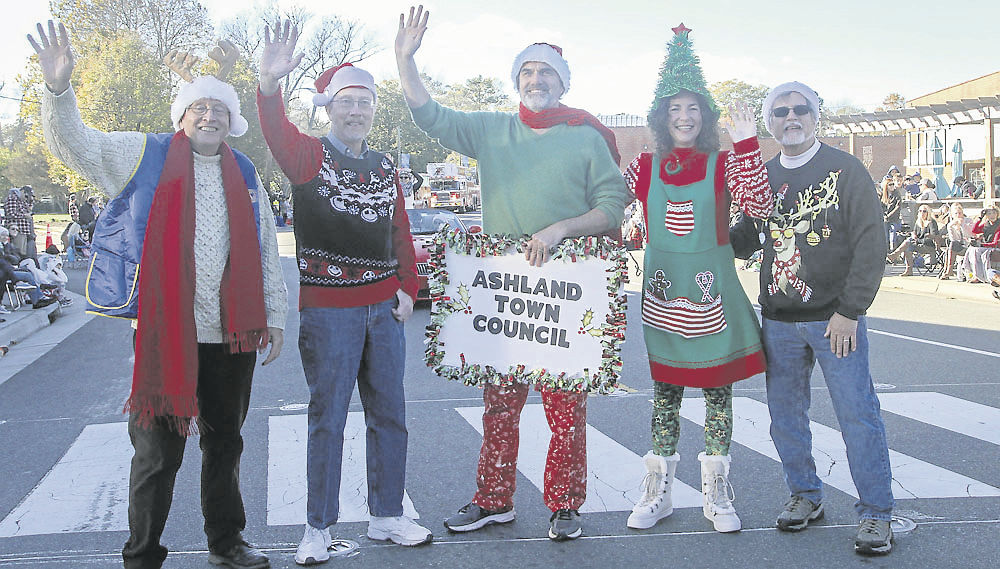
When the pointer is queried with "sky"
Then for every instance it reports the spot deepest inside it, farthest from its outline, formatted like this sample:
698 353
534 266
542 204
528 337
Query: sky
850 51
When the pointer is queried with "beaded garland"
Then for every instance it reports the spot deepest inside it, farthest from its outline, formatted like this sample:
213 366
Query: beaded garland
612 333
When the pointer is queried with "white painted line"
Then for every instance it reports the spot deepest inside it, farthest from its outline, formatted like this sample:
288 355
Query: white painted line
933 343
614 473
911 477
286 471
947 412
87 490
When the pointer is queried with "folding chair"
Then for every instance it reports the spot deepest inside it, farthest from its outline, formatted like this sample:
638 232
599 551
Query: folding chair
17 293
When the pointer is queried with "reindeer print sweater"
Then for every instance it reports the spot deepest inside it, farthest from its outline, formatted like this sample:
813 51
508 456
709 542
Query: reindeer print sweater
352 234
824 244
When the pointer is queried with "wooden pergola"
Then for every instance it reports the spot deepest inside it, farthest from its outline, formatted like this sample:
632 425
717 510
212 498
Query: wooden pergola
982 110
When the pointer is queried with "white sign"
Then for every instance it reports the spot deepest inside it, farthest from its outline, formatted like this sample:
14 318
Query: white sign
553 324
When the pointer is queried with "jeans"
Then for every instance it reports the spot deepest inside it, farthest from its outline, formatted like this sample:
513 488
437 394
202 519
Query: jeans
891 229
224 382
340 347
792 350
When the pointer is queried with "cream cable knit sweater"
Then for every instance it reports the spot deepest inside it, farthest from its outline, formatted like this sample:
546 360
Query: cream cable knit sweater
108 159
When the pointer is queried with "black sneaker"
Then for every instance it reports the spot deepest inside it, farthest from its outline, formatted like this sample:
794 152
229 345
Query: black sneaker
239 556
565 525
798 513
471 517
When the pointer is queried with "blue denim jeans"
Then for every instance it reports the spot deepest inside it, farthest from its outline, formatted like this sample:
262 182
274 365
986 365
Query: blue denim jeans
792 349
340 347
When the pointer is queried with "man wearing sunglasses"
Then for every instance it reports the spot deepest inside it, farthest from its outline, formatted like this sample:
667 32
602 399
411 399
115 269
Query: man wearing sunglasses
822 266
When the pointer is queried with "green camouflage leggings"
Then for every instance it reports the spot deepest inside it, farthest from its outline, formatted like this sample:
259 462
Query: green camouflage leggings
666 424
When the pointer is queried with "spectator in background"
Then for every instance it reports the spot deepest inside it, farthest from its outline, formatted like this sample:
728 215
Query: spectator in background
88 218
74 209
17 211
11 273
927 191
956 187
922 240
912 182
976 261
891 204
959 238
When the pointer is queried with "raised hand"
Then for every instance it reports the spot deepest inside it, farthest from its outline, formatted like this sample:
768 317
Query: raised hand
278 58
54 56
740 123
411 32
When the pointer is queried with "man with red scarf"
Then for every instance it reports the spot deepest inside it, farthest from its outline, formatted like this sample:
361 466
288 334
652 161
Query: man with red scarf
548 172
191 213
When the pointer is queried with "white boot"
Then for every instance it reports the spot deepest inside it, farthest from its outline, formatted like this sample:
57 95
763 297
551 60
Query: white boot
718 493
655 503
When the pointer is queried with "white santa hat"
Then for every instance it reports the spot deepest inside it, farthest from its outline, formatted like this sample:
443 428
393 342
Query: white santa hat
331 81
546 53
785 88
209 87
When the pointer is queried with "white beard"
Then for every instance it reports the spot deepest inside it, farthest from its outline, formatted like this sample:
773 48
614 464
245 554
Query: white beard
793 137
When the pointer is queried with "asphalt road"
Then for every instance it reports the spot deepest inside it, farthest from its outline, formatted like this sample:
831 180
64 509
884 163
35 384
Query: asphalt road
65 461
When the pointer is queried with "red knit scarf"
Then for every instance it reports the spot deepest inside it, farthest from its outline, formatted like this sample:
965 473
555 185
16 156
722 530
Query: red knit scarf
547 118
165 376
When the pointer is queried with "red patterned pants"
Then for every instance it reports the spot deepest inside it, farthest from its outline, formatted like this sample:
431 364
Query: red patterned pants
566 464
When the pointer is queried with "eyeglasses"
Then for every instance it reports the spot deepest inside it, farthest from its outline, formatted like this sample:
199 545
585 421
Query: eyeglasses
788 233
201 109
781 112
346 103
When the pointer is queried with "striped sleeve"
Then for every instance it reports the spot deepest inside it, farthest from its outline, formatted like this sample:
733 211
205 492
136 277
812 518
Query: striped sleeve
747 179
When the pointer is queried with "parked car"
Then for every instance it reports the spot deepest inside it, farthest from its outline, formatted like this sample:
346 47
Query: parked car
424 223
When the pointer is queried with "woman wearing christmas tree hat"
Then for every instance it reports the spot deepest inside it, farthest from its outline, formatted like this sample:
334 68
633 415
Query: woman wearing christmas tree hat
699 327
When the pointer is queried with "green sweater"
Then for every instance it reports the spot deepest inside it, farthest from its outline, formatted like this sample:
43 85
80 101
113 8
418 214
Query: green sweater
530 180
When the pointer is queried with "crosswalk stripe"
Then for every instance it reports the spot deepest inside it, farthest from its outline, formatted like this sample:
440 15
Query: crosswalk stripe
947 412
911 477
614 473
286 471
87 490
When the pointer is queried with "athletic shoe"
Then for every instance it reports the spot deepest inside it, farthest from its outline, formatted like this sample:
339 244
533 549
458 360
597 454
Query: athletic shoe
565 524
398 529
874 537
798 513
240 556
471 517
314 547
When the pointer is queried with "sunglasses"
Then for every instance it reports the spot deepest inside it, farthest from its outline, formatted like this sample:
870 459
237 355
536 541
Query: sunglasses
781 112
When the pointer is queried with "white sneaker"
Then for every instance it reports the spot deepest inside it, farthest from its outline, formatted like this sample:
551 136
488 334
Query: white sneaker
314 546
398 529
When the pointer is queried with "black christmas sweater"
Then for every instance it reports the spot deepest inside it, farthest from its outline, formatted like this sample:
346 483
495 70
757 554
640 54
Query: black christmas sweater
824 245
352 234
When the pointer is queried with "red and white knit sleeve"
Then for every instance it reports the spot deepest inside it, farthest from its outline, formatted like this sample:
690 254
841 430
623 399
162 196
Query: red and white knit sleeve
747 179
298 155
637 175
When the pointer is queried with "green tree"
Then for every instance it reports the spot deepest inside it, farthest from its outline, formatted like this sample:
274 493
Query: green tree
393 123
892 101
478 94
730 91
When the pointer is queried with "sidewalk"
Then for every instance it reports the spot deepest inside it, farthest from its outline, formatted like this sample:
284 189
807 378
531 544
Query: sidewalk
20 332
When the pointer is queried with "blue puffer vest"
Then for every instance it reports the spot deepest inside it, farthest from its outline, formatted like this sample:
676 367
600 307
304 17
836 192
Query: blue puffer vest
113 279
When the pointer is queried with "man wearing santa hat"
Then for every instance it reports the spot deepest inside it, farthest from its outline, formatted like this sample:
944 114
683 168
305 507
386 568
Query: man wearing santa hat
357 284
549 172
192 213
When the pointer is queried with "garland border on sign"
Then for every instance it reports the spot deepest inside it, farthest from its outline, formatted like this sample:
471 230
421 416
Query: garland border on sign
612 331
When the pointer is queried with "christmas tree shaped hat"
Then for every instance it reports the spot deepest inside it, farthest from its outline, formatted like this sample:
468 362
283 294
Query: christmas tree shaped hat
681 69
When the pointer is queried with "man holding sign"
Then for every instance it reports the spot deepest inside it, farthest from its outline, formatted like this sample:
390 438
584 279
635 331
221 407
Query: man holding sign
549 172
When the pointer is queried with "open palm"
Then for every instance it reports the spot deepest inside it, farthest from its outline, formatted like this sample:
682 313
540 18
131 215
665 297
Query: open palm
278 58
54 56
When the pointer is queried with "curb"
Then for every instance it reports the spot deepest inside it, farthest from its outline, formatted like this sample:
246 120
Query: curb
15 332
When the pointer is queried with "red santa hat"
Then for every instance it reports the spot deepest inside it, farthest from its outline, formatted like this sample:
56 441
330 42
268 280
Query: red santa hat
546 53
209 87
331 81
